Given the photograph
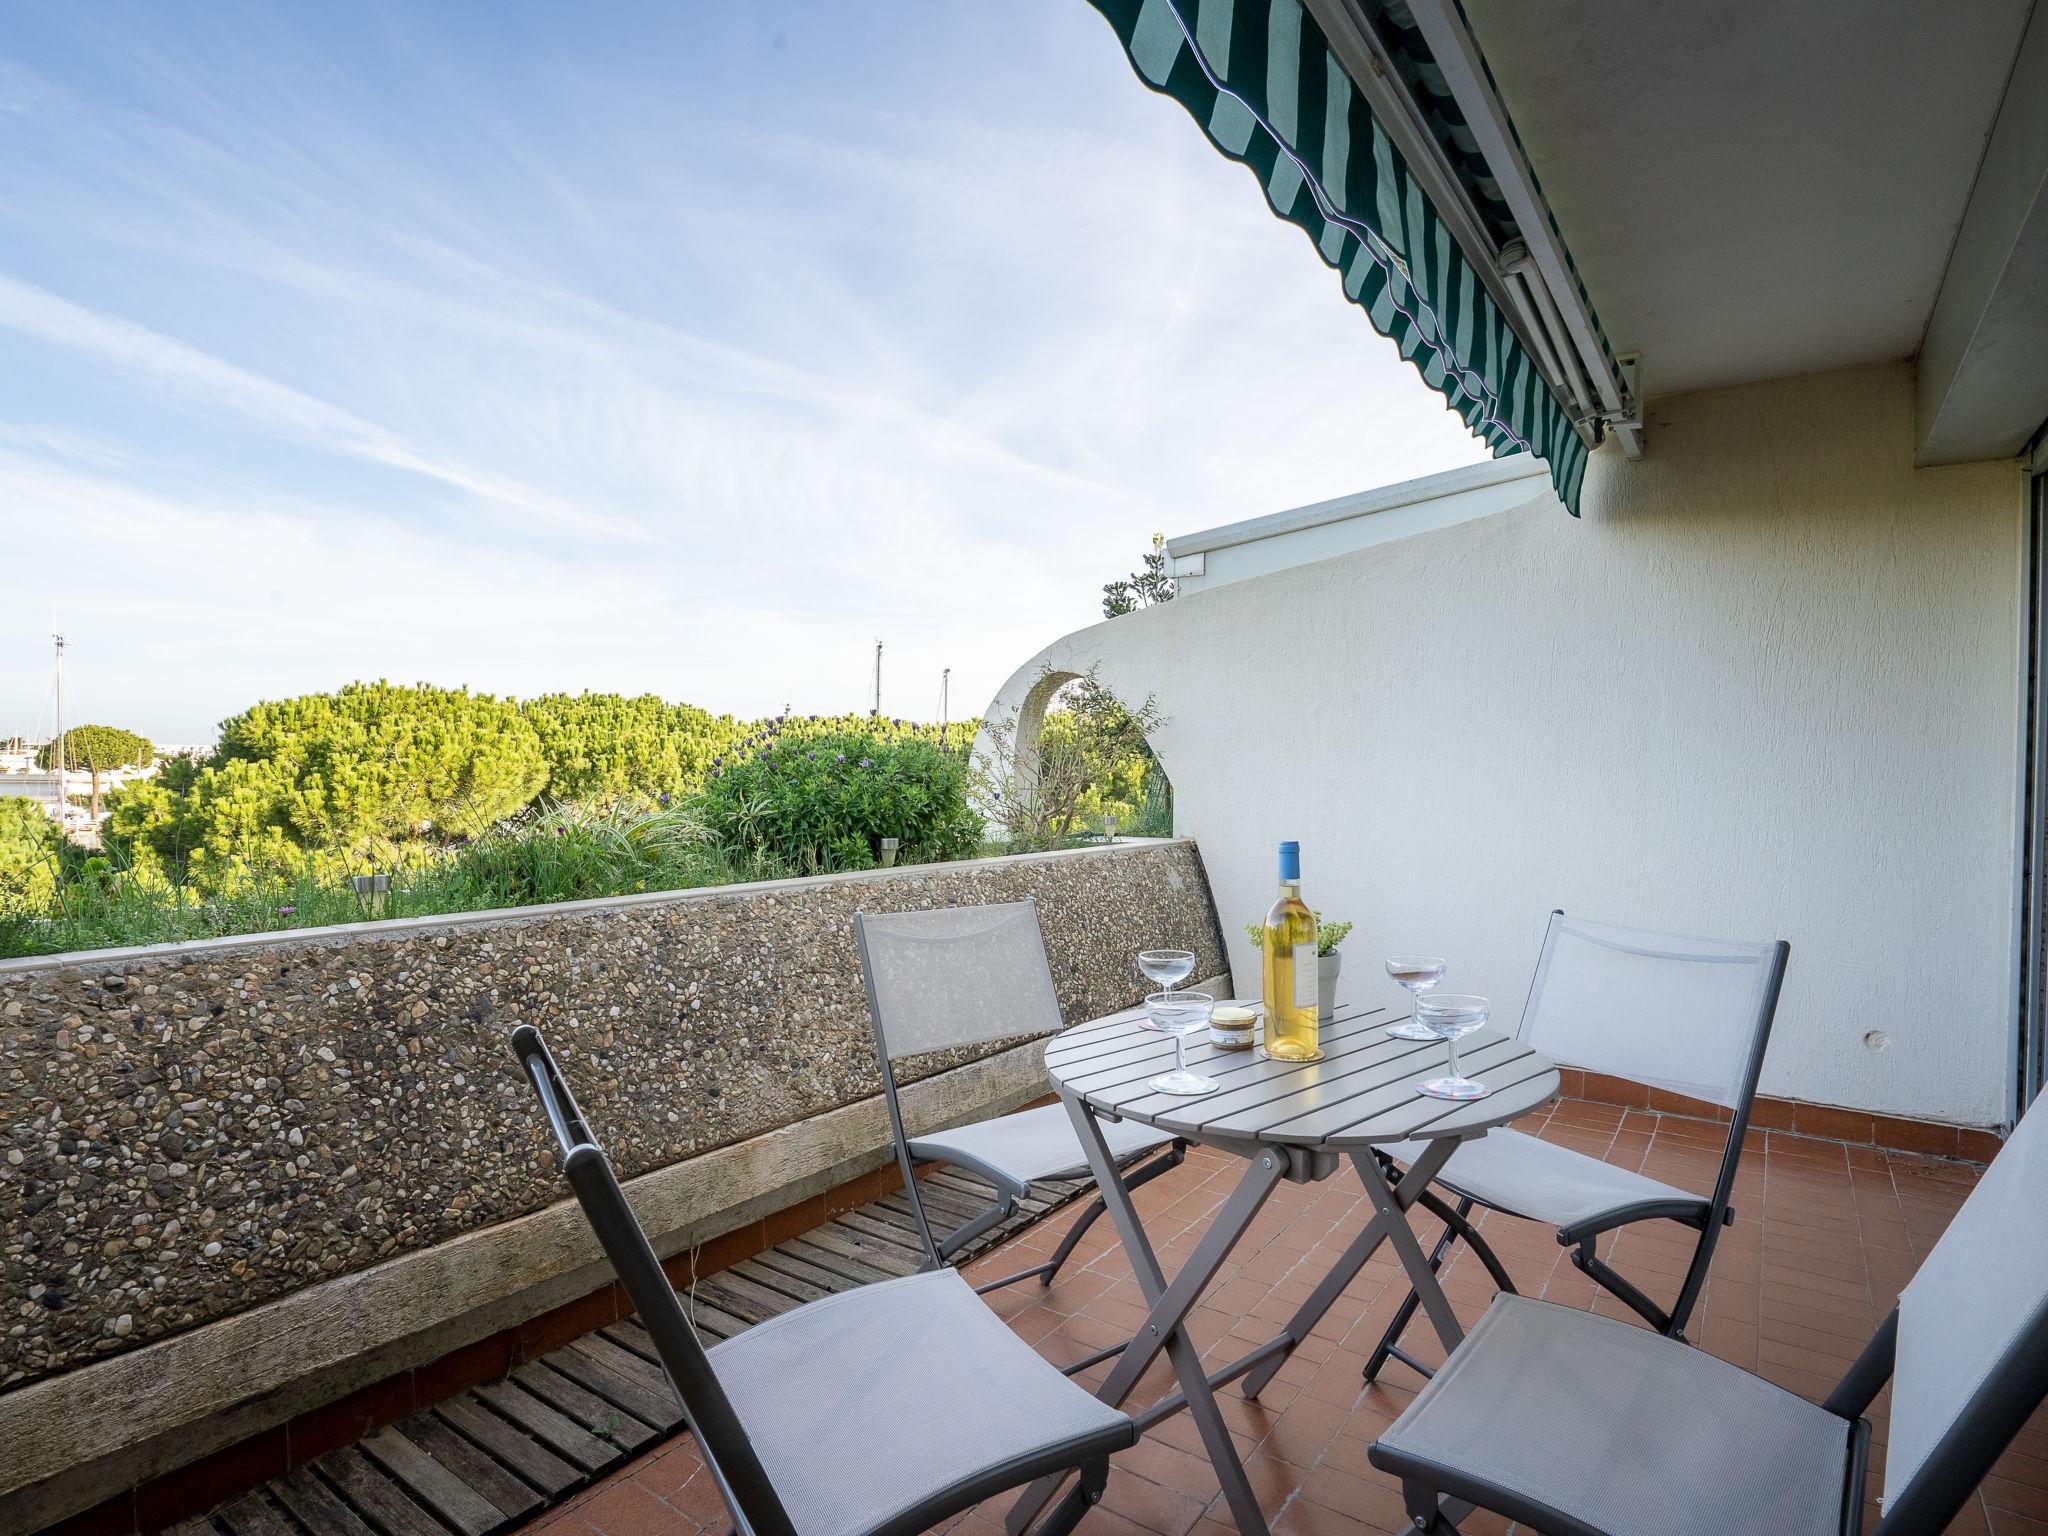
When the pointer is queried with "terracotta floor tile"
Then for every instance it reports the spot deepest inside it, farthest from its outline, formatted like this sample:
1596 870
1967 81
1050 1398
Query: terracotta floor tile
1825 1233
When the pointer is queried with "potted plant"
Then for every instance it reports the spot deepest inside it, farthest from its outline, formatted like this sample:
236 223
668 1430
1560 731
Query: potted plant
1328 962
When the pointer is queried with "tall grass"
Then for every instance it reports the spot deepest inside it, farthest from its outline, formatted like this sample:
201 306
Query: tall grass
551 853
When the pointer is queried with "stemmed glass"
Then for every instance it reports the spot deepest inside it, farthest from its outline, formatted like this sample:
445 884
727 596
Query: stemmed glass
1418 973
1168 967
1181 1014
1450 1016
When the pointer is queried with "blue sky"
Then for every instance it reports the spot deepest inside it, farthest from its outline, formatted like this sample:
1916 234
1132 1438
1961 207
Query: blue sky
672 347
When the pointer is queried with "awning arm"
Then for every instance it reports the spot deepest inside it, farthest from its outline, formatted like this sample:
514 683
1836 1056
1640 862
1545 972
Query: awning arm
1359 50
1442 25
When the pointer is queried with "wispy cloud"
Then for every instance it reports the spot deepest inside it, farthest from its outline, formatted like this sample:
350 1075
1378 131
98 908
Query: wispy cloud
636 353
207 383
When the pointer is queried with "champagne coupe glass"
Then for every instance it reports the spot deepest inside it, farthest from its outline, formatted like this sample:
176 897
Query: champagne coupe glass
1418 973
1450 1016
1168 967
1181 1014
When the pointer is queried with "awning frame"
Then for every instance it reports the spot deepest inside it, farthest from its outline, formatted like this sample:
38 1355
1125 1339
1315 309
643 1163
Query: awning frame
1615 395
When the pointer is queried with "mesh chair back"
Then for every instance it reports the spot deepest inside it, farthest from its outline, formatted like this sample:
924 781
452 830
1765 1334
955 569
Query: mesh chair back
1972 1353
749 1498
1684 1014
956 976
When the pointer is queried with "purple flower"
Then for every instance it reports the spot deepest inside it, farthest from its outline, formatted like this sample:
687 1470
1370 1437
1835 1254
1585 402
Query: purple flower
560 831
664 797
812 756
865 763
838 757
286 911
714 773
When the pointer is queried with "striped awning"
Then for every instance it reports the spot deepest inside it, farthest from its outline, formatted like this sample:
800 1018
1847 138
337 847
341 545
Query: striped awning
1262 81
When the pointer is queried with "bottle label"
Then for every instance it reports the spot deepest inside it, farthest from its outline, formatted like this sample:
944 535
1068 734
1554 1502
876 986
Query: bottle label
1307 975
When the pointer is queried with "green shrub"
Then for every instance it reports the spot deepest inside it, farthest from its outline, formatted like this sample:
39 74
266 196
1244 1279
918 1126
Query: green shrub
824 802
603 746
328 782
31 855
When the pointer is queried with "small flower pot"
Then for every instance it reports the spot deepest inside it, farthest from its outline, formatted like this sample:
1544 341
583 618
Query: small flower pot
1327 967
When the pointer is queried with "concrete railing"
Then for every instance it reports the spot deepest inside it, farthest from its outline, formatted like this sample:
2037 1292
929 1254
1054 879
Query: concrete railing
243 1177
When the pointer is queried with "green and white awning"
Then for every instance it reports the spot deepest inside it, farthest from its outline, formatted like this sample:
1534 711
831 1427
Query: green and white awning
1261 79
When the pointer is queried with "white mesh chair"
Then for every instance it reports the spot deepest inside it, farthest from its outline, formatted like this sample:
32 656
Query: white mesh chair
1689 1015
872 1412
1580 1425
955 977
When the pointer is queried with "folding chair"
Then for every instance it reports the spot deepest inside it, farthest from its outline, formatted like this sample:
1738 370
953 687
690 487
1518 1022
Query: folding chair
1685 1014
954 977
871 1412
1589 1426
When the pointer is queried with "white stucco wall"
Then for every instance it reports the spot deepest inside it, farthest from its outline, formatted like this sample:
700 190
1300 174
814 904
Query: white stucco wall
1766 687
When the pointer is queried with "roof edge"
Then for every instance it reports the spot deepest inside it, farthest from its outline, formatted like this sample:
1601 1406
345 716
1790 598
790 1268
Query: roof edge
1403 493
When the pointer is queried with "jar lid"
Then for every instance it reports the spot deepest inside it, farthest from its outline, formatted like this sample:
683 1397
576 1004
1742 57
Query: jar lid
1232 1015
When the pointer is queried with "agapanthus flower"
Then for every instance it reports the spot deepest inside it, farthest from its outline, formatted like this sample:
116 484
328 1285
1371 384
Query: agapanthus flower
838 757
865 763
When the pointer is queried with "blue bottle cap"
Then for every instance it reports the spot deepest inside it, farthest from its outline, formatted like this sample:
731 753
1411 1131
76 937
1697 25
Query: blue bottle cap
1290 861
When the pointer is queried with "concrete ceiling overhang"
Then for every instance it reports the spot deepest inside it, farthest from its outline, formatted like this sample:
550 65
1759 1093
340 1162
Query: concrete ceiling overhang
1982 385
1757 188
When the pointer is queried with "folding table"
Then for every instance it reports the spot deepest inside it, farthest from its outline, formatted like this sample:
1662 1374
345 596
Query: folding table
1289 1121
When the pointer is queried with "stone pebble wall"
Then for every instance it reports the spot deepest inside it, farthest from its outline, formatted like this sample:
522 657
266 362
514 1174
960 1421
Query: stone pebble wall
189 1131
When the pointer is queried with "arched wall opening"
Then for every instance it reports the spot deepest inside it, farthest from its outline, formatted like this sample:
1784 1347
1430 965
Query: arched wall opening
1065 760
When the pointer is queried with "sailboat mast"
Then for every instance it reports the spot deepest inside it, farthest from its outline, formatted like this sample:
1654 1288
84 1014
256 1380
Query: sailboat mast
59 742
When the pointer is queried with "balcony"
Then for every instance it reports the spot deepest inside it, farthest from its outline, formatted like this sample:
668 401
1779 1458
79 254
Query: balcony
338 1240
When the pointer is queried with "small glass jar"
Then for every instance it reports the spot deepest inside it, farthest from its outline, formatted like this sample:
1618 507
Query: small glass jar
1232 1028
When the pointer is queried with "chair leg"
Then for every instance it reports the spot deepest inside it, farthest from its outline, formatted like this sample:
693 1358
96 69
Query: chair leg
1425 1512
1084 1496
1389 1346
1587 1262
1061 1254
1170 1158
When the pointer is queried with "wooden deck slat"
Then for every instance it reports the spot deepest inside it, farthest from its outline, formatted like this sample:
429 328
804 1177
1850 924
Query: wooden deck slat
432 1486
203 1526
602 1419
539 1467
629 1364
655 1406
798 1291
562 1435
318 1507
506 1493
709 1317
380 1499
891 1222
837 1237
252 1515
802 1269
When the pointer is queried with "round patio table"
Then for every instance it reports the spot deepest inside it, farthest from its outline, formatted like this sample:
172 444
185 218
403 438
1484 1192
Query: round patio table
1290 1121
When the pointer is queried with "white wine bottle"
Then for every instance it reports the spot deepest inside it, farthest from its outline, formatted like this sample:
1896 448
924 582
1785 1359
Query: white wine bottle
1292 972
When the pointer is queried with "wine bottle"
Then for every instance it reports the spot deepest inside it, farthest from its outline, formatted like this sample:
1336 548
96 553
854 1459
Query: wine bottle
1292 973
